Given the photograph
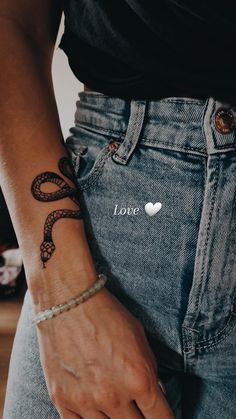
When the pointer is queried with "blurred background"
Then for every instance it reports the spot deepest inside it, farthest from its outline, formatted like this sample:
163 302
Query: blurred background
12 278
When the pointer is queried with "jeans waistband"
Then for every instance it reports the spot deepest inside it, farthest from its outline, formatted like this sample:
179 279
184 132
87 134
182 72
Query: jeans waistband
178 123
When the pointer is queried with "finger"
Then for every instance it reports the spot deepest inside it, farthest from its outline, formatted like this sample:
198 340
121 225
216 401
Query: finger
94 415
154 402
130 411
68 414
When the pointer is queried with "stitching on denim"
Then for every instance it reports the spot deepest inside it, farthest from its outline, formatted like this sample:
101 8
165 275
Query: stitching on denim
79 123
91 126
84 183
207 239
212 342
203 121
135 123
219 333
228 244
234 303
119 158
145 141
174 144
102 157
129 146
98 128
207 343
198 290
186 340
185 329
197 102
121 134
225 331
160 100
233 145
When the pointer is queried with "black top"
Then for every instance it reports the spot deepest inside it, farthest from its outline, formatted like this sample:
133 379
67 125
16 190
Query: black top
144 49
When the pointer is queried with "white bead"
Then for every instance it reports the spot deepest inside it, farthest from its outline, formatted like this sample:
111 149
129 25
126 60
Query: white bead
72 303
56 310
60 308
85 295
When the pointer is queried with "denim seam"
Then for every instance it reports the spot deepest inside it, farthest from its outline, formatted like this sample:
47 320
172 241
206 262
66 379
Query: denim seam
209 343
99 128
96 171
226 145
203 123
228 244
198 292
136 125
103 95
174 144
187 348
212 339
121 135
183 101
187 340
185 328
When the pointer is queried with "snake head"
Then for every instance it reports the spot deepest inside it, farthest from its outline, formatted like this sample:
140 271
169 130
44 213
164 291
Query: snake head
47 248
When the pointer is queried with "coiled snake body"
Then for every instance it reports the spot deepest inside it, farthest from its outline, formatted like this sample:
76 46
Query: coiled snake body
47 247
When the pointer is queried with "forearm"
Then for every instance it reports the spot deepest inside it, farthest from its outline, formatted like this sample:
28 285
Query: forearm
30 144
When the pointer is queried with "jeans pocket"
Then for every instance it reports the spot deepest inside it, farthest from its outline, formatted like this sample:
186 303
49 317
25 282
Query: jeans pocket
89 152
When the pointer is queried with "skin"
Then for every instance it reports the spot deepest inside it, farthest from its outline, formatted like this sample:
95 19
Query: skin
105 367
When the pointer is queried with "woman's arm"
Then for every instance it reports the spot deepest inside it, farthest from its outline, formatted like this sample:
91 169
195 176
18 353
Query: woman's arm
31 143
95 357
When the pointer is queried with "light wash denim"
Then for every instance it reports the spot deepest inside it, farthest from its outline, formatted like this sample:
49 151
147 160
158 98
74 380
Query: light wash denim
175 270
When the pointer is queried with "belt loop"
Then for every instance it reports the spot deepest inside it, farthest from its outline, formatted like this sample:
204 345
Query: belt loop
135 124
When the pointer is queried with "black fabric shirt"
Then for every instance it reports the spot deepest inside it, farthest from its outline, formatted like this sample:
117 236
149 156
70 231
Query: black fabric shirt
147 49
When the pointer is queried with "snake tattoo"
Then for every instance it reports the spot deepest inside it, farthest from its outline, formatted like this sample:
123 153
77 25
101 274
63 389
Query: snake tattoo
47 247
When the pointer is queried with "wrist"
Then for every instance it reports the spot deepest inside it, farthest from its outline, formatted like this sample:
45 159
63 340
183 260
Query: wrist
73 302
51 288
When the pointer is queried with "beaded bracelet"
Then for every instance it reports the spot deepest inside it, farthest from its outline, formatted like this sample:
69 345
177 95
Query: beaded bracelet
60 308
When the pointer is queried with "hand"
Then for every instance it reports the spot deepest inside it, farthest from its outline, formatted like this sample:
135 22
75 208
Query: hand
98 363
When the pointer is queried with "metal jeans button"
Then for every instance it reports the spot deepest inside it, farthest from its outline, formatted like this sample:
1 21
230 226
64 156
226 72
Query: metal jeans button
224 121
113 146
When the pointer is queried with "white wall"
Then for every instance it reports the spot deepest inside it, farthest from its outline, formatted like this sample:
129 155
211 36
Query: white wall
66 87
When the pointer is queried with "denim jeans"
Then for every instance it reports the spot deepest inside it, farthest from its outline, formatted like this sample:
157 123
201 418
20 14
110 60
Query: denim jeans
174 268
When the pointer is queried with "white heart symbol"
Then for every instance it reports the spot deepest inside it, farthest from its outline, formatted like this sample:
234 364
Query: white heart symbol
152 209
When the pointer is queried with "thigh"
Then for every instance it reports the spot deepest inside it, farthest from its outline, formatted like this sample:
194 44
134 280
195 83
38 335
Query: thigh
27 396
210 391
208 399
